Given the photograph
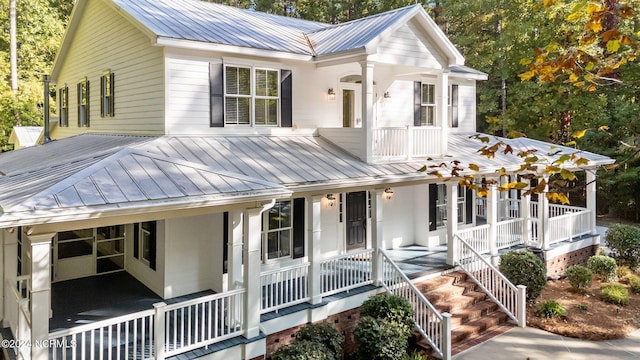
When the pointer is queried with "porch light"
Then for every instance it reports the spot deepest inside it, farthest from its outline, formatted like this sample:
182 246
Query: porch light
388 193
331 199
387 95
332 96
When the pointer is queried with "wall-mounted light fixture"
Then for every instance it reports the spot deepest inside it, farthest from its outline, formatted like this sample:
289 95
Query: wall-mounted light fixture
331 94
331 199
387 95
388 193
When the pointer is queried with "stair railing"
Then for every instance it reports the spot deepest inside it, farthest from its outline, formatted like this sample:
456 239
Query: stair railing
509 297
434 327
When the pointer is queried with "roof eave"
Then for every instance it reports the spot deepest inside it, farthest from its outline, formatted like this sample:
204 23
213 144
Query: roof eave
231 49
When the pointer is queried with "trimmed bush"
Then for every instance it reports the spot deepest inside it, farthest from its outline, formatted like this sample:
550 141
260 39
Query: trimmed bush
634 282
579 277
624 242
380 339
390 308
550 309
324 334
302 350
524 268
623 272
603 266
614 294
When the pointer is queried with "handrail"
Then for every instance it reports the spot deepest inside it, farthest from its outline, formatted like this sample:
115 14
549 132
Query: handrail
509 297
434 327
345 272
101 324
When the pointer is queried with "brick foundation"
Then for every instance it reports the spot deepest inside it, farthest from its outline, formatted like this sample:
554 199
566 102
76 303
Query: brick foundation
557 267
345 322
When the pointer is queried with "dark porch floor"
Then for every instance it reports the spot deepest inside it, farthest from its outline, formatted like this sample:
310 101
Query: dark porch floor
416 261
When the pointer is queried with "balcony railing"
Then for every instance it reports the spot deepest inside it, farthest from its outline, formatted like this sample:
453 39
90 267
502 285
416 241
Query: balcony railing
406 142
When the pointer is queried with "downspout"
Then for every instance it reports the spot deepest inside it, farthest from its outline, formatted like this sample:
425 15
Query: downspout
46 80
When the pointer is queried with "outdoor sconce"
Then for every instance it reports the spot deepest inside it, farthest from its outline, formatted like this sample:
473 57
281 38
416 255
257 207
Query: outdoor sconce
331 199
388 193
331 94
387 95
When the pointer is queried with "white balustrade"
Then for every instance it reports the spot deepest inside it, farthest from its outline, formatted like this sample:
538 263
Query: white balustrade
284 287
346 272
406 142
569 226
509 233
478 236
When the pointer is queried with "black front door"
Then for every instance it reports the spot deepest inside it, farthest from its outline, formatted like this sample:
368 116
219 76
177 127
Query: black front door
356 220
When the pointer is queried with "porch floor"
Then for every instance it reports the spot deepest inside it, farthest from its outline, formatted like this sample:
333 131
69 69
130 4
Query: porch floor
416 261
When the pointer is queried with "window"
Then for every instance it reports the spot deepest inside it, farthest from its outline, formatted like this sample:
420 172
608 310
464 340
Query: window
64 106
428 104
110 248
441 205
83 103
144 243
278 234
107 106
453 105
252 96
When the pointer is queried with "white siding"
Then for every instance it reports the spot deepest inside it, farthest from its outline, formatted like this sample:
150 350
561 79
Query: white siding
194 255
398 215
351 140
466 107
153 279
396 111
105 40
408 46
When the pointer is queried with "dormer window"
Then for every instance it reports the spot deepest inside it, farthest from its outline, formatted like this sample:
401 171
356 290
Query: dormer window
252 96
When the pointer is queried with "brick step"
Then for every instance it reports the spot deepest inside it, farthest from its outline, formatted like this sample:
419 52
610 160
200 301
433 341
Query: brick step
458 303
473 312
440 281
444 293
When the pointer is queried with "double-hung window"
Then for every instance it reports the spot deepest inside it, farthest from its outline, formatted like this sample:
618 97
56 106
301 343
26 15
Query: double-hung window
83 103
64 106
428 104
144 243
252 96
441 205
107 92
278 229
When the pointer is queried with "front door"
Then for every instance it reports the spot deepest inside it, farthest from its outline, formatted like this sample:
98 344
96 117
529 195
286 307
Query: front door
356 220
351 98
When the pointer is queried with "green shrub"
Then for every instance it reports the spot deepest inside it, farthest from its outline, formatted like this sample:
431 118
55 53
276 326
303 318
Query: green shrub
624 242
550 309
615 294
324 334
604 267
302 350
634 282
579 277
524 268
415 356
623 272
379 339
390 308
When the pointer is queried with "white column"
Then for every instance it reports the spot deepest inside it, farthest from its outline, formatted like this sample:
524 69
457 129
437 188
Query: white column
367 108
525 214
492 220
40 291
452 221
9 268
314 246
543 217
591 199
252 220
234 246
442 106
377 238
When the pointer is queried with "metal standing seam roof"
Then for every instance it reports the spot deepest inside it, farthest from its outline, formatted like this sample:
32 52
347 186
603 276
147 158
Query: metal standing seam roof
25 135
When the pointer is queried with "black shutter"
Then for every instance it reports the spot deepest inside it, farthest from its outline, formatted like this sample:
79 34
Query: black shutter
136 241
103 81
433 197
216 92
225 242
86 109
152 244
79 90
112 95
469 205
454 106
417 103
299 205
286 99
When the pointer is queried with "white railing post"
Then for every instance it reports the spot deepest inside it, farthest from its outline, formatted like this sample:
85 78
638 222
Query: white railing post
543 218
376 234
314 204
159 330
591 202
446 336
452 223
521 306
410 140
40 291
492 220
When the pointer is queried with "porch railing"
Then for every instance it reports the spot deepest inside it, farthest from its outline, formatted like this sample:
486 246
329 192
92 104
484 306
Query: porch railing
407 142
570 225
284 287
433 326
510 298
509 233
346 272
19 314
478 236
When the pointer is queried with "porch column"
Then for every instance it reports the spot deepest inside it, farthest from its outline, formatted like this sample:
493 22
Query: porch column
442 106
492 220
252 221
314 208
376 236
543 217
10 267
40 291
452 221
525 214
234 246
367 108
591 202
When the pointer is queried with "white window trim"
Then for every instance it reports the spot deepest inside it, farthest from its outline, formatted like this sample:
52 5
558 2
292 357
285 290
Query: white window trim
252 96
433 105
265 236
462 208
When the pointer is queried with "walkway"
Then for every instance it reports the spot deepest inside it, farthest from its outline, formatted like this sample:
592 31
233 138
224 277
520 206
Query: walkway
535 344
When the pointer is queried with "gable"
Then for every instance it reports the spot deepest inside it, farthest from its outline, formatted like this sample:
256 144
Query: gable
409 46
